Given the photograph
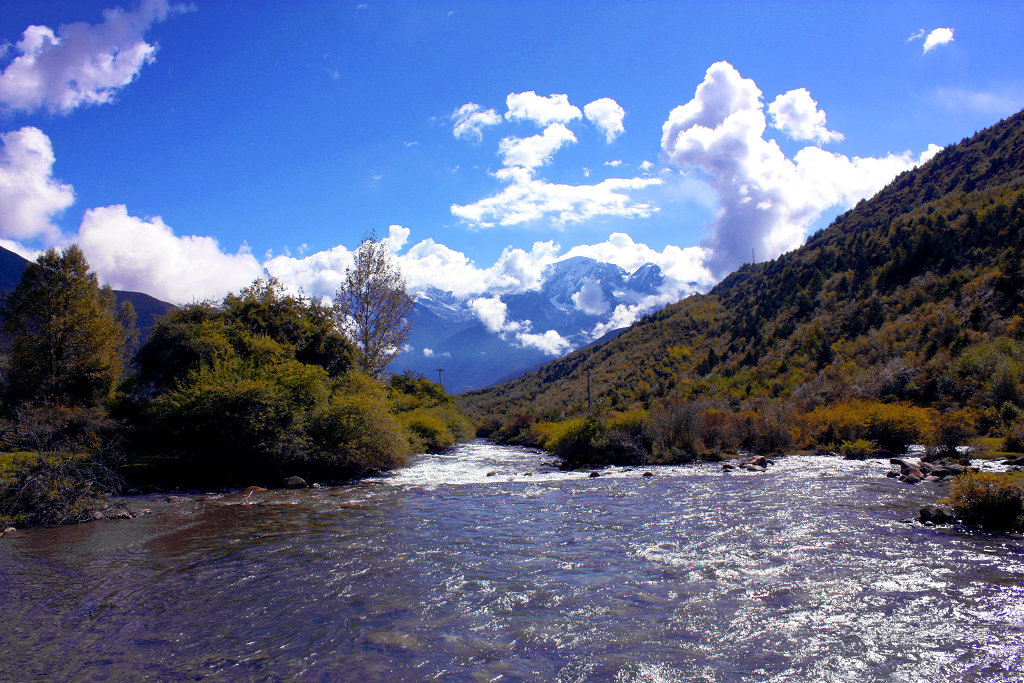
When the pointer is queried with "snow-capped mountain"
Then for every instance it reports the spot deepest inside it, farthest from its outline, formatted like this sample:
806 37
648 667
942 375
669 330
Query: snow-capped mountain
477 341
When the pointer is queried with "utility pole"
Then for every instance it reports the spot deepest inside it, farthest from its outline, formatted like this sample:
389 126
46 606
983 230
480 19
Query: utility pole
439 371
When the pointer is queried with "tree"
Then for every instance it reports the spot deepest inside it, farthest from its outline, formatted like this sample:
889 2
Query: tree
373 306
67 340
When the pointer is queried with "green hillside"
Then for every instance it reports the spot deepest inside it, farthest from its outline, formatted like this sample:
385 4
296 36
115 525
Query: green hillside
913 298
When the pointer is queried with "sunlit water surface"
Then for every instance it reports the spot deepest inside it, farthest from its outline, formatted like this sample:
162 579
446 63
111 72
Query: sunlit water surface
803 573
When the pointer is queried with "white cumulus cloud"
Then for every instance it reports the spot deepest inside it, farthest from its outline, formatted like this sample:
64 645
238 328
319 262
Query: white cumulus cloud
145 255
529 106
79 64
767 200
526 199
590 299
550 342
535 150
607 115
470 120
30 197
796 114
940 36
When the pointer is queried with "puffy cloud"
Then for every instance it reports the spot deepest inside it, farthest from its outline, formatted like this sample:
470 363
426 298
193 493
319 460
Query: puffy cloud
607 115
492 312
796 114
30 197
80 64
767 200
535 150
590 299
529 106
550 342
937 37
526 199
318 275
145 255
396 239
470 120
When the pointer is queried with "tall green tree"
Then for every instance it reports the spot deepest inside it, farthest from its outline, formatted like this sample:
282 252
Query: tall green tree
373 306
66 333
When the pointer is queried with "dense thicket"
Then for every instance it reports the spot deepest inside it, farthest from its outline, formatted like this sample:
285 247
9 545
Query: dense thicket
248 390
263 385
914 297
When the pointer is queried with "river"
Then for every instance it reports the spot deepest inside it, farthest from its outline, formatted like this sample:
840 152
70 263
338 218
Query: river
439 571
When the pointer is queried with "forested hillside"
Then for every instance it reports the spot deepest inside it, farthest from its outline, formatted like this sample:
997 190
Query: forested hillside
912 297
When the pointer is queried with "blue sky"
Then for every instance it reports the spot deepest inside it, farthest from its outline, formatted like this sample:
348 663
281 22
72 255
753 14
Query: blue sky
272 135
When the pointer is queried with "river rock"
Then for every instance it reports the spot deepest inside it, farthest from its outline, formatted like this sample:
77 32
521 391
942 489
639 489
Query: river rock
595 474
647 474
9 530
910 479
932 478
751 467
758 461
294 483
492 474
936 514
96 514
118 514
728 467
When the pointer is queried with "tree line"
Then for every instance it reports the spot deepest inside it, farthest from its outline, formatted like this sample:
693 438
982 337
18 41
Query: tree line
260 385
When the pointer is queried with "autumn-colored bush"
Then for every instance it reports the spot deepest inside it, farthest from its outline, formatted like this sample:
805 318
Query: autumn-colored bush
952 430
892 426
574 441
1014 440
859 449
988 499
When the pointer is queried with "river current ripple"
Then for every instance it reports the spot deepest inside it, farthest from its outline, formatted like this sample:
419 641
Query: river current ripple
439 571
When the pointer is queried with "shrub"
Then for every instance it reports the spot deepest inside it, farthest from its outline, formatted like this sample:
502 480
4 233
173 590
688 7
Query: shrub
893 426
574 441
355 434
858 449
427 431
987 499
1014 440
952 429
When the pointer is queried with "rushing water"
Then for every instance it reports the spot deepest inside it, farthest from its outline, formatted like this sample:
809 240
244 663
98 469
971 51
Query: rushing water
803 573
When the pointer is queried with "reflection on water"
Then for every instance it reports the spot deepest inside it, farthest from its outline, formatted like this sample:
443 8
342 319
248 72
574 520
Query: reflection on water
489 564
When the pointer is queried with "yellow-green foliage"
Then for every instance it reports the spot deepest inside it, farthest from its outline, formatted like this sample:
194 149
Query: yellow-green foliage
431 418
857 449
893 426
952 429
427 431
988 499
628 422
1014 440
574 440
356 431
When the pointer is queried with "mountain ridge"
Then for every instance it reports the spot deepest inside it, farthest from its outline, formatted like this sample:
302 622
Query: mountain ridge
887 302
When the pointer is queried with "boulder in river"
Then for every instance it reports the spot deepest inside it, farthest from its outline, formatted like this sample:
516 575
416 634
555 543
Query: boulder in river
294 483
936 514
594 474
